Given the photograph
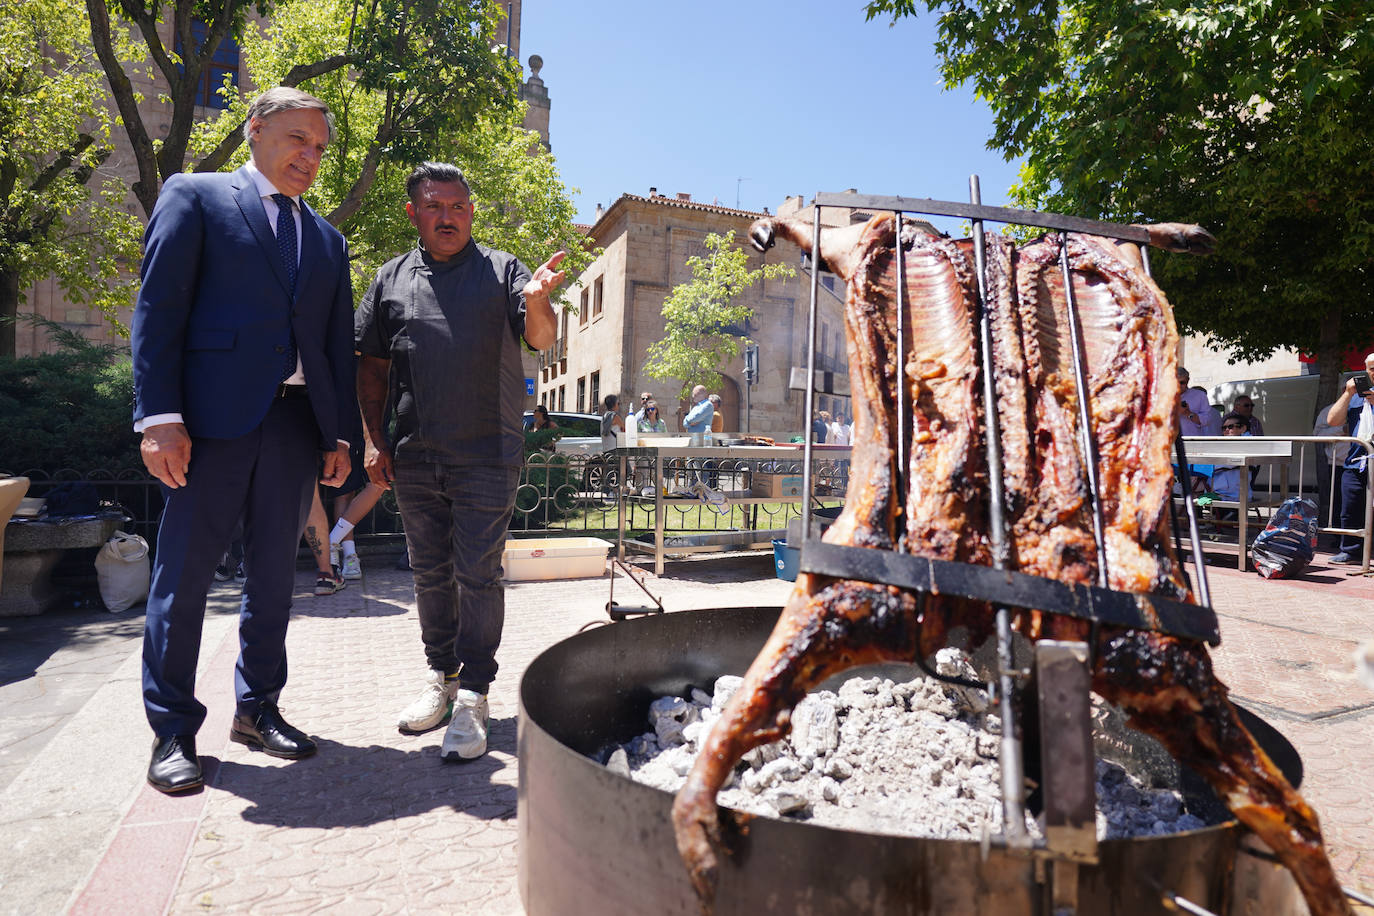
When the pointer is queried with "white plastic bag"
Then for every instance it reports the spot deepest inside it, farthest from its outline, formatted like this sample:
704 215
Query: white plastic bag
122 568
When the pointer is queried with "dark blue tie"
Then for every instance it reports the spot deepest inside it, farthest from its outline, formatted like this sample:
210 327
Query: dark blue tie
286 245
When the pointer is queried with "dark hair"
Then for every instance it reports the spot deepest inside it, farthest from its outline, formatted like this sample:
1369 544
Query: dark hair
283 98
610 401
540 408
439 172
1238 418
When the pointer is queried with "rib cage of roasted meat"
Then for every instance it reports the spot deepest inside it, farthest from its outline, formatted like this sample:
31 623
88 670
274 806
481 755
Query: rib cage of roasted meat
936 505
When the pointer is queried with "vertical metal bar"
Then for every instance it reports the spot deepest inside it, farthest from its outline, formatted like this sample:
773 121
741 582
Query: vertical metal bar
903 412
810 400
1012 758
1080 375
997 535
1202 592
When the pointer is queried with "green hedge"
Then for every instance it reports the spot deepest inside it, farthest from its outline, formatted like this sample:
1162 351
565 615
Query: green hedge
69 409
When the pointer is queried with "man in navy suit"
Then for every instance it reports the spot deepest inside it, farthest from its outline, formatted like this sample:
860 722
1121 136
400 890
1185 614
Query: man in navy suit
244 394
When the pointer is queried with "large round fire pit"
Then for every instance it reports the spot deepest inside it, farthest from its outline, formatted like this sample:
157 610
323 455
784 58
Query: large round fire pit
592 841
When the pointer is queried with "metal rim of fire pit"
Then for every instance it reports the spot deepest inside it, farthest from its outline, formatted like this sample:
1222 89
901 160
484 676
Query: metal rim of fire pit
594 841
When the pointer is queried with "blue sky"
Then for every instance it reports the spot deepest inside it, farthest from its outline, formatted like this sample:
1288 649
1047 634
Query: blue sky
792 97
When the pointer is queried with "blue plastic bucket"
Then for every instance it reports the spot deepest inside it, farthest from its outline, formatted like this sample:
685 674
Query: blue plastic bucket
786 559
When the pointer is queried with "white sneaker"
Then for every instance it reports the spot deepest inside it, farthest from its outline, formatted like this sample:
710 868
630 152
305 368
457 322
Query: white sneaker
466 738
432 707
352 569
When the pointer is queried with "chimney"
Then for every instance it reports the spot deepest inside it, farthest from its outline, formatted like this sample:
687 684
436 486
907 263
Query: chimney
681 196
653 192
600 212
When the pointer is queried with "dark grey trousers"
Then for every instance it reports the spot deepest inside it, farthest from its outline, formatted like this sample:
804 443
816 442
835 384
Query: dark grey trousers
455 520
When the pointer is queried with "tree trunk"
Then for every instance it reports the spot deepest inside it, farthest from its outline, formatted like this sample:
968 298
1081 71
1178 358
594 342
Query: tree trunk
1330 357
9 308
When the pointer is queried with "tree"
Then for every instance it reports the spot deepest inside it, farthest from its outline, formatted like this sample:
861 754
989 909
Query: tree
1254 118
59 214
420 70
521 204
702 315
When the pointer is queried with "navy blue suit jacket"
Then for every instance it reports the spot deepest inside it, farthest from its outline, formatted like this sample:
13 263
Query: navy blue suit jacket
210 328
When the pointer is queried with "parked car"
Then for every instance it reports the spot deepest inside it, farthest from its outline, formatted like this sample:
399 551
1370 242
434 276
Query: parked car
582 437
581 431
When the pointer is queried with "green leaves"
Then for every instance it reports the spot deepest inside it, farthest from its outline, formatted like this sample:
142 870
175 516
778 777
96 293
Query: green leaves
702 316
61 213
1254 118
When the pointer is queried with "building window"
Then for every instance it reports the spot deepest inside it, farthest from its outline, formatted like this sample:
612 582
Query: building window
562 391
225 61
582 312
594 391
581 394
596 297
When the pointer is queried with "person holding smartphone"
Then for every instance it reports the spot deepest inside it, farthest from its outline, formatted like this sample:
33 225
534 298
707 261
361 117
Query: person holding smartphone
1354 410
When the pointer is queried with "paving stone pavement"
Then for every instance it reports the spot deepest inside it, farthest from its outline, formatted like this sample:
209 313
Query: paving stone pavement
376 823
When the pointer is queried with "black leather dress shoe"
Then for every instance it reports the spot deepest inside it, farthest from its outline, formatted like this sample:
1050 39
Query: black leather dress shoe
175 766
268 732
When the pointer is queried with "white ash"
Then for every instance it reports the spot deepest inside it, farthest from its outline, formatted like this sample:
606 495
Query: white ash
917 758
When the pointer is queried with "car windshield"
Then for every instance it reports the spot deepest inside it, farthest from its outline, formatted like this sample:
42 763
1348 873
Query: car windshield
570 423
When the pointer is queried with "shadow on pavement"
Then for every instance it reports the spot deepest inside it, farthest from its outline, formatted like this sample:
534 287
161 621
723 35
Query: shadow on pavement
349 786
30 641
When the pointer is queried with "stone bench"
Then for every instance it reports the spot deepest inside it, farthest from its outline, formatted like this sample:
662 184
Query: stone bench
33 548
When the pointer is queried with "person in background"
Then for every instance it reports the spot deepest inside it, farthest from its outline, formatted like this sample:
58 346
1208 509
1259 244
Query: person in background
1244 406
820 427
698 419
1195 415
1355 410
838 434
717 417
542 419
644 399
328 579
649 421
611 422
1226 481
350 508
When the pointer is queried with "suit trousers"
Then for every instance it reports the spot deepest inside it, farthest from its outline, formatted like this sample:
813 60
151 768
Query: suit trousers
266 477
456 520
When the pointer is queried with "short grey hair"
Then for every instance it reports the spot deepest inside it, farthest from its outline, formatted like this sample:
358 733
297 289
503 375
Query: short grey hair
438 172
284 98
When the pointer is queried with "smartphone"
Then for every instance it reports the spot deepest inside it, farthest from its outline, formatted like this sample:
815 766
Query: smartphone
1362 384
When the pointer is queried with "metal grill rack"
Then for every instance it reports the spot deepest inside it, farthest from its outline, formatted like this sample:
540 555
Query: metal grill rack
1062 670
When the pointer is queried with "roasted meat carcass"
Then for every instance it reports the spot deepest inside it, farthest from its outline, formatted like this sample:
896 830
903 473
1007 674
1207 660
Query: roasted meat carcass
936 505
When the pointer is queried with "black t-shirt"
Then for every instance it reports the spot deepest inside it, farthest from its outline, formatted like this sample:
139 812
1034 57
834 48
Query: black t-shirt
452 332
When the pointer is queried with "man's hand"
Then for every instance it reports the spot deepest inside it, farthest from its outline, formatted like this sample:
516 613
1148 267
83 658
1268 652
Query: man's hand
546 278
166 451
380 468
541 324
337 464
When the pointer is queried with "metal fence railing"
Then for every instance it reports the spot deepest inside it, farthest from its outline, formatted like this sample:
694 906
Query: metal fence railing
557 495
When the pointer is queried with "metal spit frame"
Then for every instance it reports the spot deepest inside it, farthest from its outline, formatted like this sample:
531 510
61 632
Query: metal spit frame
1066 667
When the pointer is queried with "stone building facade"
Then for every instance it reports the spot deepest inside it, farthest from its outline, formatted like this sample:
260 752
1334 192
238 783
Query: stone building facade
646 241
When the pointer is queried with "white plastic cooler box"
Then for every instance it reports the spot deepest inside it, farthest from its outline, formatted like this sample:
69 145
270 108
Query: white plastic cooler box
532 559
